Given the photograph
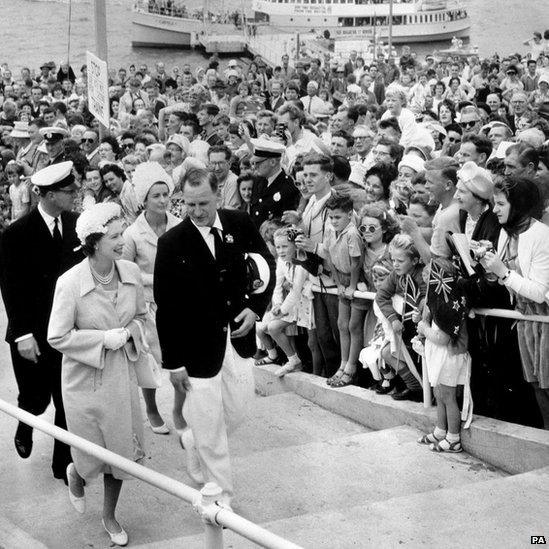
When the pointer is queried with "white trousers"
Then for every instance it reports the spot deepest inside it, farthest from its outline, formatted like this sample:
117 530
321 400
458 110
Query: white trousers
213 408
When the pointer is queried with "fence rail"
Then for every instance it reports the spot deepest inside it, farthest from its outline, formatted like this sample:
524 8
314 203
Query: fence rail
213 516
501 313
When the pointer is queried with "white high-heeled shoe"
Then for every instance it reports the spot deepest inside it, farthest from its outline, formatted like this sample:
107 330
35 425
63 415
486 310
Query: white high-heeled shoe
118 538
160 430
79 503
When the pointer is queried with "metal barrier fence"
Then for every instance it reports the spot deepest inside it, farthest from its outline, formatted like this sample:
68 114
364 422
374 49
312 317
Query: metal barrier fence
500 313
204 503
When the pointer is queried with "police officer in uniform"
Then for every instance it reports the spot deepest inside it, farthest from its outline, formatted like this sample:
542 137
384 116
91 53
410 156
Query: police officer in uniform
53 139
34 251
276 191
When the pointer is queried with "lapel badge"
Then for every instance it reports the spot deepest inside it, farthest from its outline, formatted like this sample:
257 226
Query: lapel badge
229 239
276 197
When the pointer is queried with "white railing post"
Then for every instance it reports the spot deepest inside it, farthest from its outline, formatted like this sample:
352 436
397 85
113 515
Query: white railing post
206 506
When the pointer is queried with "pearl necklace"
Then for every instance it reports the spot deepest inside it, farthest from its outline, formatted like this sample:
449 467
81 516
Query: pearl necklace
105 280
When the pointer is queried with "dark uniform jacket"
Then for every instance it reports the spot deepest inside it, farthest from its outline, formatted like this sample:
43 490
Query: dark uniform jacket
271 201
30 266
198 296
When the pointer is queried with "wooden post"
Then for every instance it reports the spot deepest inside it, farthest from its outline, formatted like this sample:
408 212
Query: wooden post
100 13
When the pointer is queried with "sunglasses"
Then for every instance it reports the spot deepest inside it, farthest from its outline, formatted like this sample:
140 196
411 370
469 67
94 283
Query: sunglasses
87 140
128 145
468 125
367 229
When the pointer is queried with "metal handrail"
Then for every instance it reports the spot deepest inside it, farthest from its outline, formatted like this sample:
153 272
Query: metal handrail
214 516
500 313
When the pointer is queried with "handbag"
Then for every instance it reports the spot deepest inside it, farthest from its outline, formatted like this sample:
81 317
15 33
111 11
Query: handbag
147 370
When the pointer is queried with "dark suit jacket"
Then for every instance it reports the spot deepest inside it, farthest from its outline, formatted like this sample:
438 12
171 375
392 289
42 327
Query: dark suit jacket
30 266
275 103
198 296
271 201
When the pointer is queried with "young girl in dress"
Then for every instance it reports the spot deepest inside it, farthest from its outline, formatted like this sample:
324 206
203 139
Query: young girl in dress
404 284
292 304
18 190
448 365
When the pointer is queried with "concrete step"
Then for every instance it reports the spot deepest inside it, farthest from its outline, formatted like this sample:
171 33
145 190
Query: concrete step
508 446
35 502
329 477
502 512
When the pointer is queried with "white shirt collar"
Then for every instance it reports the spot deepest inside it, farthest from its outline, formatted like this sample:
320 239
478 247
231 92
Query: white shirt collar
48 219
205 231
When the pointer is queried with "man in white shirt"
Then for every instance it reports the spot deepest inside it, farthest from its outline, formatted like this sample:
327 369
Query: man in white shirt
311 102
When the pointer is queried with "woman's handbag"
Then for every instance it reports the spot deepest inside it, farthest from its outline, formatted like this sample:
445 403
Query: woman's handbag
147 370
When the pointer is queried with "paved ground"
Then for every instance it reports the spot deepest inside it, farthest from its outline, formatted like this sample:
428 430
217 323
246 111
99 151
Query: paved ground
310 475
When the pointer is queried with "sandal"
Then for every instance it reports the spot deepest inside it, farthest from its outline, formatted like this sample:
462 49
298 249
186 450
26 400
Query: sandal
343 380
266 360
331 380
429 439
445 446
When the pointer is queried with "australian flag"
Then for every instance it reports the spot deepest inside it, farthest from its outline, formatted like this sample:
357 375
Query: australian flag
445 298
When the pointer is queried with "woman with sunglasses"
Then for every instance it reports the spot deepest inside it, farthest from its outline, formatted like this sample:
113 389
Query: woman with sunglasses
521 264
376 227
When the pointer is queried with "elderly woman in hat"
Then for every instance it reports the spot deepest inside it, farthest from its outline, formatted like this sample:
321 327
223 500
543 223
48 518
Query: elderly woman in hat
97 323
153 187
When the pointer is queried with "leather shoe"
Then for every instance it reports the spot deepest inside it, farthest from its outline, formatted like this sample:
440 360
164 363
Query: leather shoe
23 440
408 394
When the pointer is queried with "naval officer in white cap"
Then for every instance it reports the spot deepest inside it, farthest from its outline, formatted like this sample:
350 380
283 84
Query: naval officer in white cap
53 139
34 251
276 192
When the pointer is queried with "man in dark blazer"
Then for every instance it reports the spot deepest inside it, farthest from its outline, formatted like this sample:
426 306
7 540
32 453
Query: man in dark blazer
34 251
205 319
275 192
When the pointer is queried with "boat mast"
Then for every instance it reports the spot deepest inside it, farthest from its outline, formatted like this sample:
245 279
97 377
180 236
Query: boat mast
390 27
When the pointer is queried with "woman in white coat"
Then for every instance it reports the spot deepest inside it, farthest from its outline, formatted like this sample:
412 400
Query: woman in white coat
153 187
96 322
522 265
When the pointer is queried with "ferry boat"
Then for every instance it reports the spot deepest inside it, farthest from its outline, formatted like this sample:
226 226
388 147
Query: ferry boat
168 23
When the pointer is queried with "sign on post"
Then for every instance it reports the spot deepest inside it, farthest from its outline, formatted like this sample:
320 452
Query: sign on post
98 89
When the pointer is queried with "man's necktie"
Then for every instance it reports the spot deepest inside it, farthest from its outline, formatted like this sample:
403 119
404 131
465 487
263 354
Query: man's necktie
217 241
57 238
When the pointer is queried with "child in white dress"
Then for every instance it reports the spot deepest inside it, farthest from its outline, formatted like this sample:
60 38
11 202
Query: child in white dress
291 305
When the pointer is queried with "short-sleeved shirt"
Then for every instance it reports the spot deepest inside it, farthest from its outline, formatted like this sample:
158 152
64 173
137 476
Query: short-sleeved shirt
339 248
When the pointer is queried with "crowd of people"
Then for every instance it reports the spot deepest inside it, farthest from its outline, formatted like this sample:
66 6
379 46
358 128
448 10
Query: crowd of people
396 198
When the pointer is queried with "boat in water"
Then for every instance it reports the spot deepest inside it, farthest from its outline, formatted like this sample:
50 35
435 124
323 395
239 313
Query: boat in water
168 23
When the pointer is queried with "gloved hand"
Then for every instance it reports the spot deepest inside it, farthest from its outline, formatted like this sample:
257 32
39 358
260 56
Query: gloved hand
116 338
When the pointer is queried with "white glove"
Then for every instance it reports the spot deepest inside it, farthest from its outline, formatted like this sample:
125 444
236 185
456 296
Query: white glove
116 338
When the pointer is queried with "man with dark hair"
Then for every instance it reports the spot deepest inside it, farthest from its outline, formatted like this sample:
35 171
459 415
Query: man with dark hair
206 116
341 143
389 129
200 268
318 178
28 283
219 162
474 148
